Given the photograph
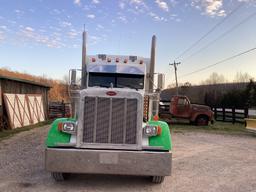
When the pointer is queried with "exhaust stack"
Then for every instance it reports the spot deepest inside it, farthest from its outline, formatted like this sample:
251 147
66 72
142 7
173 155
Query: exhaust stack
84 70
152 64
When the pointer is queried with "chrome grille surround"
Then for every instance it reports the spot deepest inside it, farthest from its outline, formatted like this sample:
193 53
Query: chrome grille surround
110 122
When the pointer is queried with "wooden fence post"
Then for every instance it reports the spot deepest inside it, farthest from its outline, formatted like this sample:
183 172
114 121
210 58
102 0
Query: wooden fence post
223 114
233 115
246 112
215 113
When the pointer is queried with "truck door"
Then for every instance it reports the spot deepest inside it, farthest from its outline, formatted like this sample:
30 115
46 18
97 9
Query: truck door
183 107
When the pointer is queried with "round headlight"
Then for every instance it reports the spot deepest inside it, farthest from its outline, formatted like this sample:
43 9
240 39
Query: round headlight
68 127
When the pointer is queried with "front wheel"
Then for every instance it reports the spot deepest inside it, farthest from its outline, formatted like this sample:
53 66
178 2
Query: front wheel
202 121
59 176
157 179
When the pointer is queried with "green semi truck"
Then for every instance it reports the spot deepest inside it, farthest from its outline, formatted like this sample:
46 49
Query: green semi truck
114 128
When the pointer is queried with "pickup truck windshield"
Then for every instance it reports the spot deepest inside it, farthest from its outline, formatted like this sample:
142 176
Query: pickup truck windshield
118 80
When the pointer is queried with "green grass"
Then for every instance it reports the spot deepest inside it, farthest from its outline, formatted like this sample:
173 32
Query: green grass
217 127
4 134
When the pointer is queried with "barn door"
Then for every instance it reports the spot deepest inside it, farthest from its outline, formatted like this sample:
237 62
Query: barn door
36 108
23 110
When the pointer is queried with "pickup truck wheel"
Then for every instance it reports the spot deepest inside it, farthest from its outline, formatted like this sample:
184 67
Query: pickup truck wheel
157 179
59 176
202 121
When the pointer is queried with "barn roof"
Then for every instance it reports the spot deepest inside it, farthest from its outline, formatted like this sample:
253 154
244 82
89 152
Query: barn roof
25 81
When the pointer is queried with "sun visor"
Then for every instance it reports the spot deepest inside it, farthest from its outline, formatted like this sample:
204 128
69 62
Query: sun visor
126 69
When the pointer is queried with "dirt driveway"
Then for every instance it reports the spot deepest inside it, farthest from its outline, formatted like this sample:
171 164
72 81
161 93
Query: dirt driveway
201 162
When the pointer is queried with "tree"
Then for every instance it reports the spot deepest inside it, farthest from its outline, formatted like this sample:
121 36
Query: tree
214 78
242 77
250 94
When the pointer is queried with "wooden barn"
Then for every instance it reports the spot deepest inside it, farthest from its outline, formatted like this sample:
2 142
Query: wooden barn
22 102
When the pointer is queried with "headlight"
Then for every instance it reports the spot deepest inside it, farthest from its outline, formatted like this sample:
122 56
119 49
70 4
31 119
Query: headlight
67 127
150 130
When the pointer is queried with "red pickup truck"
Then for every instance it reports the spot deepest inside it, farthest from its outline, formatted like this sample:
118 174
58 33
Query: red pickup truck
181 108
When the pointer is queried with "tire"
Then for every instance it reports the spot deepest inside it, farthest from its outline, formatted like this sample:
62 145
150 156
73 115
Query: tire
157 179
59 176
202 120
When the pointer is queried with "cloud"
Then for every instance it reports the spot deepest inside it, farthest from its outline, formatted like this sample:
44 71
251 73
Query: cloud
91 16
139 6
121 5
29 29
56 11
3 27
28 34
136 1
92 40
95 1
99 27
209 7
122 18
156 17
162 5
77 2
65 24
72 34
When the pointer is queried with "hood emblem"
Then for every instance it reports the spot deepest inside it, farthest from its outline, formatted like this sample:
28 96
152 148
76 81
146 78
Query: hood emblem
111 93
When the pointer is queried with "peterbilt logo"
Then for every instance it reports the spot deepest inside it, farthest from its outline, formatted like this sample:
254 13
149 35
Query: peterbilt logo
111 93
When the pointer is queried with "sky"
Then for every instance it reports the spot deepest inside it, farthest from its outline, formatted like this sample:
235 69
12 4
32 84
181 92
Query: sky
44 37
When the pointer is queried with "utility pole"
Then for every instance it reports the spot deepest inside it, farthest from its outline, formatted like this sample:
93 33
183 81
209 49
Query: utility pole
175 69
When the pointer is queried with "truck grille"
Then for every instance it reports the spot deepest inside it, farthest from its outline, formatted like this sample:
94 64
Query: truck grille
110 120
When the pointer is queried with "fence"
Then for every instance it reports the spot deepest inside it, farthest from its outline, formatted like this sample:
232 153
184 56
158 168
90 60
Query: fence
230 114
59 109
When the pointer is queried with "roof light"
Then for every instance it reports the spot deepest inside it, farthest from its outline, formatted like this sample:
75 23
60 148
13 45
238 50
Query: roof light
109 60
93 59
141 62
117 60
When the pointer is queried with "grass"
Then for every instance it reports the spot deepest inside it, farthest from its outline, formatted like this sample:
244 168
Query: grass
217 127
4 134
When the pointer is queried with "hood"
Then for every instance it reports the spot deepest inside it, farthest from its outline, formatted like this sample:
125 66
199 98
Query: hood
200 107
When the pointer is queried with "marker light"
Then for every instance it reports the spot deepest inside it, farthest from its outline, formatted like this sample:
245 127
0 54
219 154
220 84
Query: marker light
156 118
93 59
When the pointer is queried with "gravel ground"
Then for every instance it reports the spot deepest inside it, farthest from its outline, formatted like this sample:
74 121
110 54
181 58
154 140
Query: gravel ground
201 162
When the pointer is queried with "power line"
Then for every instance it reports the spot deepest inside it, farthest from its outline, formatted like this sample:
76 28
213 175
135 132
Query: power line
221 36
210 31
219 62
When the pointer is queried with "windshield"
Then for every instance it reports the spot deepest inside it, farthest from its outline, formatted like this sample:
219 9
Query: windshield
118 80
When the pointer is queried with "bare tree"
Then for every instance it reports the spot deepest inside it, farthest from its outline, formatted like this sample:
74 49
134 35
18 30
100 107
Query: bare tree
214 78
242 77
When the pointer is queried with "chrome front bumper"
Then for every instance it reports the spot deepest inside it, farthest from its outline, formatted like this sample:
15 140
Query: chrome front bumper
108 162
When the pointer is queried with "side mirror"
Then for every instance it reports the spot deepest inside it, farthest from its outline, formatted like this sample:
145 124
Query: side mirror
160 81
73 77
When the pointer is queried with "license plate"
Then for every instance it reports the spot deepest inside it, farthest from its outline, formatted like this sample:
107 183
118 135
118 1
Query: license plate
108 158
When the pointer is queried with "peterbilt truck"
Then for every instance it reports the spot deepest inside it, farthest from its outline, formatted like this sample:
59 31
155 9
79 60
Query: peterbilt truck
114 128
